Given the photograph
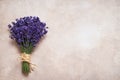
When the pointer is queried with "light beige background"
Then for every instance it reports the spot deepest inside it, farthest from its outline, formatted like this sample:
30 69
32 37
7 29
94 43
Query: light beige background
83 42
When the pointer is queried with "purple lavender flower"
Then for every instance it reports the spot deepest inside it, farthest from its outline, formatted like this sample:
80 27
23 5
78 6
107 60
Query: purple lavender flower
27 31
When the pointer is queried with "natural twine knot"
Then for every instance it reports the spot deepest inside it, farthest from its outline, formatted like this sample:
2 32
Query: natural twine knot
27 58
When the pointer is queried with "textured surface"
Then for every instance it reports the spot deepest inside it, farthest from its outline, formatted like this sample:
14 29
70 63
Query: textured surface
83 42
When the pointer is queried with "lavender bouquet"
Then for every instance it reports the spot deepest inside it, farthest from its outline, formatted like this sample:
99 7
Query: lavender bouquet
27 32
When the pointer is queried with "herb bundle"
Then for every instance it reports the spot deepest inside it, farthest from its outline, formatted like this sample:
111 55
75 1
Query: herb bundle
27 32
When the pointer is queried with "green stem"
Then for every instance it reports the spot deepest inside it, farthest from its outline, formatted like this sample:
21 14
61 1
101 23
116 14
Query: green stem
25 68
26 65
